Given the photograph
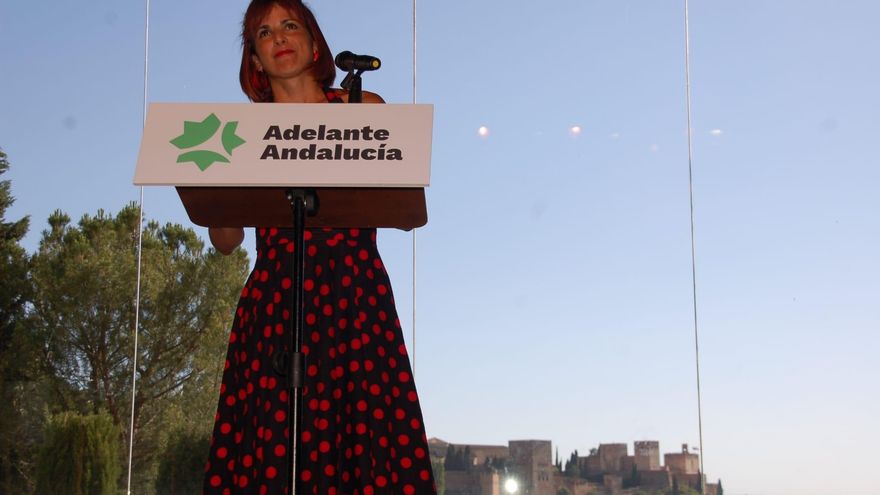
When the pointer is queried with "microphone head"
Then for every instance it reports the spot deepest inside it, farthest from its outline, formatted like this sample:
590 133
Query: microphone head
343 60
348 61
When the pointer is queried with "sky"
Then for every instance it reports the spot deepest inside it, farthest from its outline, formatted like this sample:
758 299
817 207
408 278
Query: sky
553 291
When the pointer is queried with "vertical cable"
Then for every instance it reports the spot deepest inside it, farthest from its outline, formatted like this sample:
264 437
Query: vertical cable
414 253
687 71
137 299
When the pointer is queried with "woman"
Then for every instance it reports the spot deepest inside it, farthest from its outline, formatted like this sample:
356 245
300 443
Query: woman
362 426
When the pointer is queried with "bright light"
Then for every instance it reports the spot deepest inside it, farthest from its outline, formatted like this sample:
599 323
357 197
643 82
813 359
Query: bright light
511 486
483 131
575 130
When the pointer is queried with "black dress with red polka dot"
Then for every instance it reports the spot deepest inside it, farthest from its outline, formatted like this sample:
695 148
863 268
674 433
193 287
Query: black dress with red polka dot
362 424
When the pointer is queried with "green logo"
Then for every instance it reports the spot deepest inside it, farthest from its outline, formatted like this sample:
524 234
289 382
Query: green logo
197 133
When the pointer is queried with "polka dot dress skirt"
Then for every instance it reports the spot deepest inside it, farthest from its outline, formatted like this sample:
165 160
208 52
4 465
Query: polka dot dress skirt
362 425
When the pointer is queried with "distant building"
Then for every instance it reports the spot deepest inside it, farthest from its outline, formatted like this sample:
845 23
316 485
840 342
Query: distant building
531 461
684 463
607 470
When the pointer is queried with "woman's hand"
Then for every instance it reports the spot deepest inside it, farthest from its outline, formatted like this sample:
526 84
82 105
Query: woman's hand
226 239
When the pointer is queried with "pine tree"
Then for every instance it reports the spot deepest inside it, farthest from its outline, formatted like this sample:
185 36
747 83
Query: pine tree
20 410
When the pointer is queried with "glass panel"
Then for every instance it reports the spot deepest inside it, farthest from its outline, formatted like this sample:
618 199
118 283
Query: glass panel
554 291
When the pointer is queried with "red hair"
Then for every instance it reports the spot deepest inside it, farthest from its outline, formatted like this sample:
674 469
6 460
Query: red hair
254 83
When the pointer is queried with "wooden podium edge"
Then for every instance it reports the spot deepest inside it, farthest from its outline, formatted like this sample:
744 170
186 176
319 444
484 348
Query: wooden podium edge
339 207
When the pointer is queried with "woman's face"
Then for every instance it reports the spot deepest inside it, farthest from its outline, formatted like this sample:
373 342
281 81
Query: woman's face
284 48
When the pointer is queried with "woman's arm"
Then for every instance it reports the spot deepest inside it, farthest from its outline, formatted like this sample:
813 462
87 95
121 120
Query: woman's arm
371 97
226 239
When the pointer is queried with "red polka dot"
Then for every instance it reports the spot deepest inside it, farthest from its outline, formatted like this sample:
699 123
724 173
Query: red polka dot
280 416
215 481
280 450
409 490
221 453
271 472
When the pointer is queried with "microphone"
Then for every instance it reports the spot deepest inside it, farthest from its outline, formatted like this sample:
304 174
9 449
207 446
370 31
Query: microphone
348 61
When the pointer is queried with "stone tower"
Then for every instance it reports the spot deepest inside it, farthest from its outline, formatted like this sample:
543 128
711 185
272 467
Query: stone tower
647 454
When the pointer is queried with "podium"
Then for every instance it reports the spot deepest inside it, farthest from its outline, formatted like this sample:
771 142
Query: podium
343 166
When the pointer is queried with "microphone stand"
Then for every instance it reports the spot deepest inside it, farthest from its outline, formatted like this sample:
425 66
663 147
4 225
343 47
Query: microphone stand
302 202
292 363
353 84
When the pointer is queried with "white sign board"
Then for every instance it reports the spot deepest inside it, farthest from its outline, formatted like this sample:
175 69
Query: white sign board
285 144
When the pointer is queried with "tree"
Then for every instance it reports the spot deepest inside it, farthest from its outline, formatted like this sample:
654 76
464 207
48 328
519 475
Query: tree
80 455
84 313
17 351
572 468
634 478
439 469
182 464
449 460
720 490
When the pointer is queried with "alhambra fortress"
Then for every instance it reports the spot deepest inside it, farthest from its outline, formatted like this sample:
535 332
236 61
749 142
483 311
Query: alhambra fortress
607 470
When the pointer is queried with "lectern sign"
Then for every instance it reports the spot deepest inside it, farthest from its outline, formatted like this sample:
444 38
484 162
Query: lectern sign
279 144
